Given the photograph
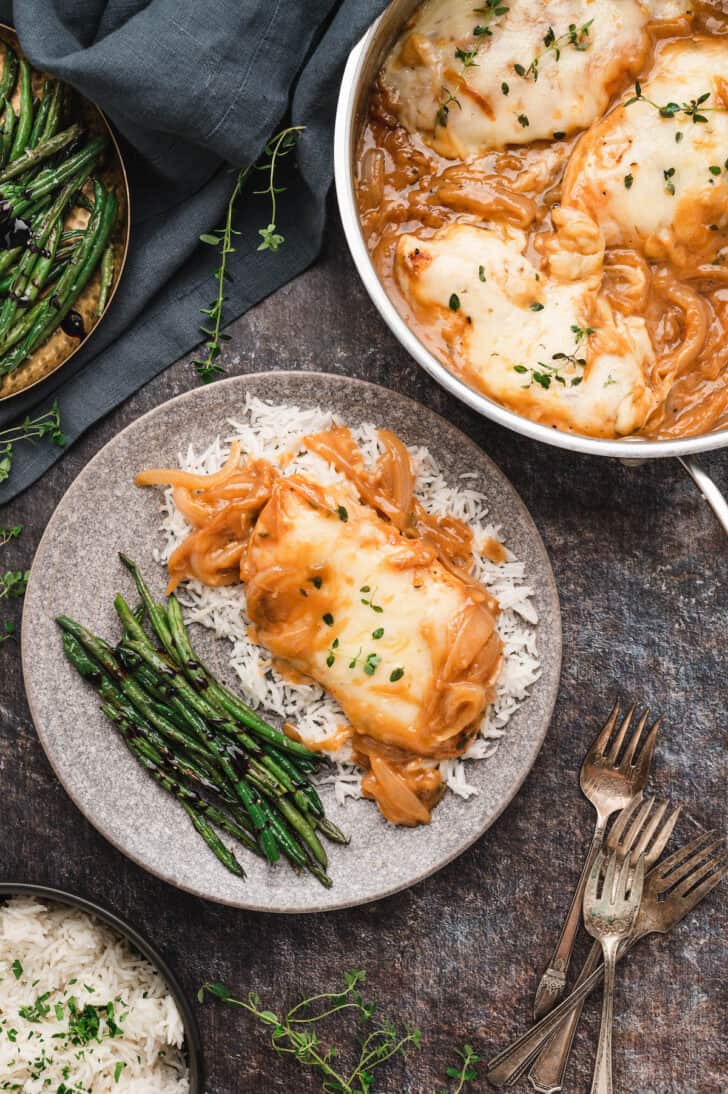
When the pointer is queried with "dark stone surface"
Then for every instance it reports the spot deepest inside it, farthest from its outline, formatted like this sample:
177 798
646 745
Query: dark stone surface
642 570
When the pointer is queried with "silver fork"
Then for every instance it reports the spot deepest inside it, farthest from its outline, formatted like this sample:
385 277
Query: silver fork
672 889
609 783
611 905
640 829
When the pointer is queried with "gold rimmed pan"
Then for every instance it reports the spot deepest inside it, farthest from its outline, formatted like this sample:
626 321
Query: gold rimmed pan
61 347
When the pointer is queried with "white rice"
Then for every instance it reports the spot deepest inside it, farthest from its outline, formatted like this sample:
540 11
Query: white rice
55 949
273 432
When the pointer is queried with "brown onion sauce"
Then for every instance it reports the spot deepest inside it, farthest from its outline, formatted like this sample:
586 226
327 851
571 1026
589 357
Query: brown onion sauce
405 187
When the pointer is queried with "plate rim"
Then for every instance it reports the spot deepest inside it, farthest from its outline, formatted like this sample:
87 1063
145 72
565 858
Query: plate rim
550 698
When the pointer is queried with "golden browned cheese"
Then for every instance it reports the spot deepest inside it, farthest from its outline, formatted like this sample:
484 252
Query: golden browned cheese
581 278
354 585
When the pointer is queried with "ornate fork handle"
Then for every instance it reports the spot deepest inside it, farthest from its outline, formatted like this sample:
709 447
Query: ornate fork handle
547 1073
510 1065
553 981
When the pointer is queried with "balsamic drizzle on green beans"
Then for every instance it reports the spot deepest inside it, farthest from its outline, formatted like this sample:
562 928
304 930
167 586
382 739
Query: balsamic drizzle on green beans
230 770
48 167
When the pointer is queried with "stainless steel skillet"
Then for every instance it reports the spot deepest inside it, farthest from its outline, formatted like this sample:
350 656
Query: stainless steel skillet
361 70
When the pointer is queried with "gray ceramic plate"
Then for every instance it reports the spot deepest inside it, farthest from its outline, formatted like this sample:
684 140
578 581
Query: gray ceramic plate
75 571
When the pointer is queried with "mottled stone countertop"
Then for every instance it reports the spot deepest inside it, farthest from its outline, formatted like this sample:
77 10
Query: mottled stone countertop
642 570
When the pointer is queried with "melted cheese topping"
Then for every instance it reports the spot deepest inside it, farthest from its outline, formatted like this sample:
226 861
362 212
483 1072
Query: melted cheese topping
408 649
655 183
456 86
544 343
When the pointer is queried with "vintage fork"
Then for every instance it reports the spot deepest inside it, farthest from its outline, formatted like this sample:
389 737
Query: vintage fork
672 889
611 905
609 784
645 833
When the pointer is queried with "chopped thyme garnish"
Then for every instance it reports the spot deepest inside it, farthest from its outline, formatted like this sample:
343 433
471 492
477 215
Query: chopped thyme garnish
454 302
17 969
370 602
628 180
559 135
523 120
582 333
342 513
578 37
328 619
490 9
668 176
331 656
536 306
714 169
467 56
396 674
378 632
481 273
609 381
316 581
505 88
443 111
371 663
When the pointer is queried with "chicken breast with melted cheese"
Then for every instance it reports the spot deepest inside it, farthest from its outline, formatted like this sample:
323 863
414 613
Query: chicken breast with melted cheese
471 78
545 343
653 173
338 594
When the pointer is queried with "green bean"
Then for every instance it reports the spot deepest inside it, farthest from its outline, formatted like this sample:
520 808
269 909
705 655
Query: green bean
9 76
106 279
25 118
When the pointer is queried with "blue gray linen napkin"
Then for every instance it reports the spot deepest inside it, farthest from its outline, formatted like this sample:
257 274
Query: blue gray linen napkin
193 89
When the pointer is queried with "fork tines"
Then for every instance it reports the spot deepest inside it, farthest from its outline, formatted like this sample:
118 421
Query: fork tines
607 737
645 833
693 870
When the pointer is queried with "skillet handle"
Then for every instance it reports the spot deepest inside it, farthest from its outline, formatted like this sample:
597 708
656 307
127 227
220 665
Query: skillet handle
714 497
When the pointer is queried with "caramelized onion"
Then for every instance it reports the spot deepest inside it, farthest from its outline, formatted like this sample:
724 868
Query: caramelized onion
174 477
397 802
695 313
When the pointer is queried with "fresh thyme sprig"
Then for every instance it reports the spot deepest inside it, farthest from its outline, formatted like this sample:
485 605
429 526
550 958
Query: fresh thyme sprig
12 587
208 366
6 534
295 1033
278 147
378 1040
47 424
696 109
545 374
489 10
465 1071
577 37
443 110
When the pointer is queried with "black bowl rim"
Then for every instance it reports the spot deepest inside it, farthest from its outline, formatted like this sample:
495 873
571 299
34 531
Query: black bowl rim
193 1043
